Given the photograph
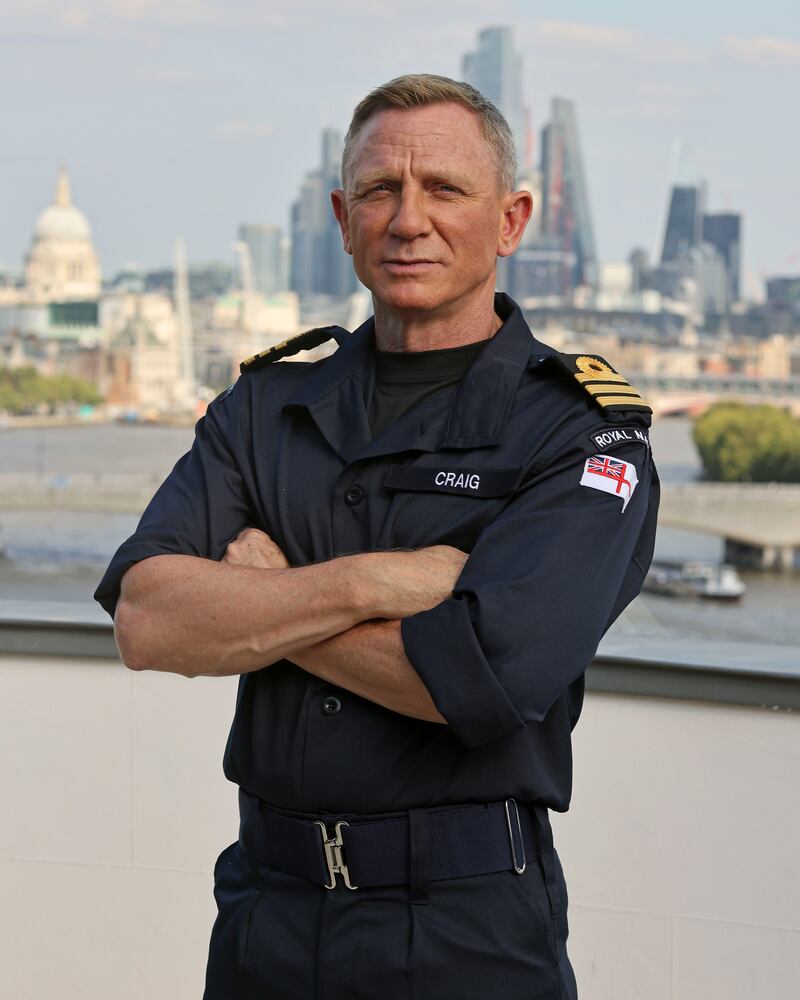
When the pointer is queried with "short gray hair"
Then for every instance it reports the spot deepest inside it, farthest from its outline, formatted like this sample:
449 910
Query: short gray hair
416 90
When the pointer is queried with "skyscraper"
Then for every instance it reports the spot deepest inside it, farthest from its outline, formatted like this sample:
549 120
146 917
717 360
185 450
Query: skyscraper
266 252
723 230
704 248
566 214
684 221
319 265
639 261
495 69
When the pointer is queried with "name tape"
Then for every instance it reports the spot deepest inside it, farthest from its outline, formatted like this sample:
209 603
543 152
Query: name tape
435 479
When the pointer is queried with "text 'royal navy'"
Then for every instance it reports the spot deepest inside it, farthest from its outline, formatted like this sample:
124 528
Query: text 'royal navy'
605 439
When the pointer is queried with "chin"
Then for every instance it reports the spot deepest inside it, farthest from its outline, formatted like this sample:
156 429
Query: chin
409 297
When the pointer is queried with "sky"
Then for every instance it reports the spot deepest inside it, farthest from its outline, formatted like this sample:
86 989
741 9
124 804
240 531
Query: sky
186 118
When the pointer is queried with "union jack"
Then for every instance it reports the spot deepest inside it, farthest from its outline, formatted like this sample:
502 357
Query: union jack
613 468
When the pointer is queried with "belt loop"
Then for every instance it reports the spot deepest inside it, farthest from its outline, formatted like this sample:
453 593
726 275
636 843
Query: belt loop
419 856
544 835
247 835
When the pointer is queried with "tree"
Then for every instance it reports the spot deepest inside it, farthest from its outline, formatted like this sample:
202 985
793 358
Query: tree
24 390
739 443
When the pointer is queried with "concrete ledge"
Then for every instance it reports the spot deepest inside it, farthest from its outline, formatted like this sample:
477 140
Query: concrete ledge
56 628
659 667
698 670
693 682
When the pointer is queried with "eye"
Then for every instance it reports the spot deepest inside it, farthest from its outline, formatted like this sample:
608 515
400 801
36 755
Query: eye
444 188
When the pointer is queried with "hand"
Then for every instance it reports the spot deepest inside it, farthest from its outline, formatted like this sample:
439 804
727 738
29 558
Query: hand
253 547
408 582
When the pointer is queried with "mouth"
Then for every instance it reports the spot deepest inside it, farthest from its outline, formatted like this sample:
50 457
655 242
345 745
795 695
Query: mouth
399 266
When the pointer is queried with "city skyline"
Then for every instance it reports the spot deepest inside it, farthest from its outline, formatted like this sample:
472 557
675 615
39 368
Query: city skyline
179 141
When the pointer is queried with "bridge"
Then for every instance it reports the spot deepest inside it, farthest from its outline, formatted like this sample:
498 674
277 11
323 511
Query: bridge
677 394
760 523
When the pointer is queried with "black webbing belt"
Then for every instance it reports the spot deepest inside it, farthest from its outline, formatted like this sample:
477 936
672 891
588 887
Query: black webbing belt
412 847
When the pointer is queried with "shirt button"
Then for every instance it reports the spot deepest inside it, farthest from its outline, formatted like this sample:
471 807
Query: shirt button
354 495
331 705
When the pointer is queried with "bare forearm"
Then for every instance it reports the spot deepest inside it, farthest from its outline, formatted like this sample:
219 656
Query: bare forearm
370 661
194 616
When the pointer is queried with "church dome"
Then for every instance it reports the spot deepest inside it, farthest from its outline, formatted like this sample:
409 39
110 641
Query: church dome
62 220
56 223
61 265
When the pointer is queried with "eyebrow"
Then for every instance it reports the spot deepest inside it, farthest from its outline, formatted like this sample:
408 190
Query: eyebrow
454 176
362 180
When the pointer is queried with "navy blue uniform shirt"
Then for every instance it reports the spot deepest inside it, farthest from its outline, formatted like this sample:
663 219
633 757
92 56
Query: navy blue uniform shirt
501 465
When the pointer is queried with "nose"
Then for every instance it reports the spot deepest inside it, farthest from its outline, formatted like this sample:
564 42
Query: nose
410 219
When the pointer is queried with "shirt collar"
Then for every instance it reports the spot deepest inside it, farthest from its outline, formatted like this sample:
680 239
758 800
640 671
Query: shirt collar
473 417
486 394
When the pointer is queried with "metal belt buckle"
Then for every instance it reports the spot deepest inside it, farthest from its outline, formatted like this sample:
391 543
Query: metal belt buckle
519 870
334 857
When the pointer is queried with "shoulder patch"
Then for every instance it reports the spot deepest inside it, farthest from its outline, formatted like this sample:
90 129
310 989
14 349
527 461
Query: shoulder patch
610 475
302 342
610 390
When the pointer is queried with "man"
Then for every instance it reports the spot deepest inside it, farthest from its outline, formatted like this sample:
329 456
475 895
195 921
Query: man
409 551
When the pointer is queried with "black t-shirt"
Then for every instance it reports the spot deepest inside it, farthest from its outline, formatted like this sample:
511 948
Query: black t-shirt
405 378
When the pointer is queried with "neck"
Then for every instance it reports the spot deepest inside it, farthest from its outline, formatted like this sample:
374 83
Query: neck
465 323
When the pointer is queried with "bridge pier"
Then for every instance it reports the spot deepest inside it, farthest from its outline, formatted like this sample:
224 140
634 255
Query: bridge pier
768 557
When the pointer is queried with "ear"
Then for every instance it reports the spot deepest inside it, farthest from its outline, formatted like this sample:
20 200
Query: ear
339 203
517 211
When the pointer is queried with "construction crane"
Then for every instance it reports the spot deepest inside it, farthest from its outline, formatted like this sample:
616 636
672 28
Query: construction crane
247 280
184 316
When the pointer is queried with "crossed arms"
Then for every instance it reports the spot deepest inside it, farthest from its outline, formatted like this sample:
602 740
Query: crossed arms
486 644
339 620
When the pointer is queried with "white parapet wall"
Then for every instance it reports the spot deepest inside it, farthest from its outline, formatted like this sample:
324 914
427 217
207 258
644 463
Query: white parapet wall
680 850
114 808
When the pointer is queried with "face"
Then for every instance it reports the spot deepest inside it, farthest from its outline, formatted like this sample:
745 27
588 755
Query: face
422 213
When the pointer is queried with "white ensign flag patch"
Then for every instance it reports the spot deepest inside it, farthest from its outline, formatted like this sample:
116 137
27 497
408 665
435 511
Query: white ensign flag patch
611 475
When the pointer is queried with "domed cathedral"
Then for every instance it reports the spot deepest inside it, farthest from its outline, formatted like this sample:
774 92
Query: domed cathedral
62 264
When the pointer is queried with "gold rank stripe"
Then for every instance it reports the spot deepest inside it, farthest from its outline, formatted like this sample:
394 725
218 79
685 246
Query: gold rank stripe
602 387
255 357
600 376
625 400
270 350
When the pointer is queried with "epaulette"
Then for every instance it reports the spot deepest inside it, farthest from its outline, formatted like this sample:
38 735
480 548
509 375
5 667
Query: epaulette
609 389
302 342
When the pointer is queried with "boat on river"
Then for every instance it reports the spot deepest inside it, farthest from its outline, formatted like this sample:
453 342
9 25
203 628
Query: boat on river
695 578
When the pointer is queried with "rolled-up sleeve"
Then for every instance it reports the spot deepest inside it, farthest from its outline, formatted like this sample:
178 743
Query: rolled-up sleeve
543 582
200 507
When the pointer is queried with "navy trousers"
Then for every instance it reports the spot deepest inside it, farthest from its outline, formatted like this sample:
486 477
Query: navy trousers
281 937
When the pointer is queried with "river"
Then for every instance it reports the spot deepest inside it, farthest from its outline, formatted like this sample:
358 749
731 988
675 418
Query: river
59 556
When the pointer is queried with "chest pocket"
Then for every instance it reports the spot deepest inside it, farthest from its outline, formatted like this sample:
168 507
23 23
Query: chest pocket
445 504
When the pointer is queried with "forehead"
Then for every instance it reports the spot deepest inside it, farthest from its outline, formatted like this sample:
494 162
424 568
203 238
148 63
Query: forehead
443 133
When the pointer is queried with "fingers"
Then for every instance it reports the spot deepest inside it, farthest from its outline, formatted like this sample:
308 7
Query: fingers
253 547
252 534
447 555
438 568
